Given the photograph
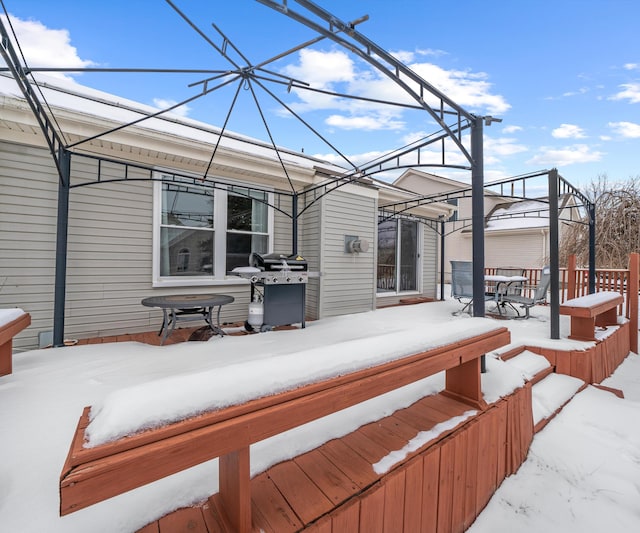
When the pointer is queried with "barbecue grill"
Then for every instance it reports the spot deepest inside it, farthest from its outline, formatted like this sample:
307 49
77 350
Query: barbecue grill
278 281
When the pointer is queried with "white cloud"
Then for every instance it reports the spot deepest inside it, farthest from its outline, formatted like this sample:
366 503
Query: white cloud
631 66
561 157
630 91
356 159
502 146
336 71
44 47
322 69
511 129
467 89
370 123
629 130
568 131
163 103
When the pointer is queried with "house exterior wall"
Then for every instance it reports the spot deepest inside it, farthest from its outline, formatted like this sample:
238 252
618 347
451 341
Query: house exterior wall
28 192
430 265
309 246
348 280
504 250
110 251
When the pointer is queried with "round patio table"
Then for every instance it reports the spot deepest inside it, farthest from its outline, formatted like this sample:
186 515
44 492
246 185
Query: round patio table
187 307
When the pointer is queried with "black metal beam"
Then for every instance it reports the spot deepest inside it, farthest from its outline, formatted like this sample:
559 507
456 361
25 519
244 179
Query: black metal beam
554 255
64 157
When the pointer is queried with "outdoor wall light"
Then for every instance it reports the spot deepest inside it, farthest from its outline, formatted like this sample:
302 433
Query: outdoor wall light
355 245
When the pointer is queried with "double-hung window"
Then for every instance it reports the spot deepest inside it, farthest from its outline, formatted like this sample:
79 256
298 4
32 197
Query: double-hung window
398 256
202 233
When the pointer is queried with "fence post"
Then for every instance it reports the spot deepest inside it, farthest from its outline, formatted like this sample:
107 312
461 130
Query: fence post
632 295
571 277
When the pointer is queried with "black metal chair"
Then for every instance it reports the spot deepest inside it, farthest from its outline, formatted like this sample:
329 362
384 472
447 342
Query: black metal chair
526 303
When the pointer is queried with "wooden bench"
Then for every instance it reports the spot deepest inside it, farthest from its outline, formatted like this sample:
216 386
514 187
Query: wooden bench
91 475
587 312
7 332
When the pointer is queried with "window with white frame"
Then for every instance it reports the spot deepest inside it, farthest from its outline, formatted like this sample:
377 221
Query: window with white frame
203 233
398 256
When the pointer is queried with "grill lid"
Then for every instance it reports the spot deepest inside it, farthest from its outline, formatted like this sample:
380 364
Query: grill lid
278 262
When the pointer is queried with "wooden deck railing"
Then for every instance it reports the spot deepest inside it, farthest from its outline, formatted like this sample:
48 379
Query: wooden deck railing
7 333
574 283
94 474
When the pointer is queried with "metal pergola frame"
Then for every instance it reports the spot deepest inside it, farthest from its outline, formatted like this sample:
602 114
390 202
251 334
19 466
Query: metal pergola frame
557 186
452 122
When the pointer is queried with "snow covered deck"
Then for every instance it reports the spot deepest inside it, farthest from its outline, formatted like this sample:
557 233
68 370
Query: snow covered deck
318 383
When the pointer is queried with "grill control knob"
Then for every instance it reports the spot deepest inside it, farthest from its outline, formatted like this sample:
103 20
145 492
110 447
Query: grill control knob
288 280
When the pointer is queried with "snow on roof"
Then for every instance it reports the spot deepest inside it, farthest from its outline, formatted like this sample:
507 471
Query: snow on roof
519 215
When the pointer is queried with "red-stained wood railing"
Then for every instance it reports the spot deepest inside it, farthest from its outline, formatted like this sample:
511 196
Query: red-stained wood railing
7 333
574 283
91 475
589 311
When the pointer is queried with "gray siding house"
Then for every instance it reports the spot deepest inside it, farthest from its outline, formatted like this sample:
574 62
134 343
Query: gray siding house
135 233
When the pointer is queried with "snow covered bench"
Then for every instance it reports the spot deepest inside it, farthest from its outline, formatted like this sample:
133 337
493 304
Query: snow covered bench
587 312
12 322
96 473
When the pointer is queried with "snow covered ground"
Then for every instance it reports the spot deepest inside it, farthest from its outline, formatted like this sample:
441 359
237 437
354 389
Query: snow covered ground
581 474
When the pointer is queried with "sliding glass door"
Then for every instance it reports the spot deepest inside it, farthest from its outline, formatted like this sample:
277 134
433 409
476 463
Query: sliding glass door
397 256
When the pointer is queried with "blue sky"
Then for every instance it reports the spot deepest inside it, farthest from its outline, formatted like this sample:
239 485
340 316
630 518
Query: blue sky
564 75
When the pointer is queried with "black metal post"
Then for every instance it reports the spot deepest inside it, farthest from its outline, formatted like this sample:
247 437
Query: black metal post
442 259
477 218
294 223
554 256
592 248
64 157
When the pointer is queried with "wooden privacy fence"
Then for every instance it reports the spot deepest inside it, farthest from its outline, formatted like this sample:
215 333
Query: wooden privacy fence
91 475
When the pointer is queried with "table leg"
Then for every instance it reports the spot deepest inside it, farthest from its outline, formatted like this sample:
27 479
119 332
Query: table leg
171 324
164 321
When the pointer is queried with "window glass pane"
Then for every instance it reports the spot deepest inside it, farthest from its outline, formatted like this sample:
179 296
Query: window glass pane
240 246
387 239
408 255
187 206
186 252
245 212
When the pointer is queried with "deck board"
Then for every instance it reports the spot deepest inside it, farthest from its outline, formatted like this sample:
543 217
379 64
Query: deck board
333 483
301 493
358 469
270 510
367 448
186 519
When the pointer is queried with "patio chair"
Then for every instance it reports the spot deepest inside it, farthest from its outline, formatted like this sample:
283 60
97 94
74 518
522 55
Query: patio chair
462 283
496 290
526 303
